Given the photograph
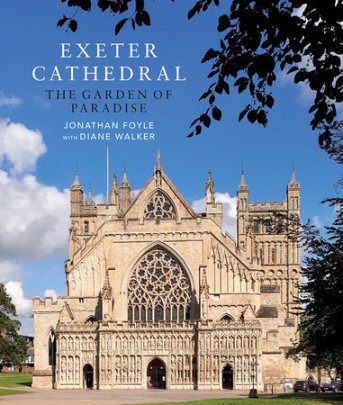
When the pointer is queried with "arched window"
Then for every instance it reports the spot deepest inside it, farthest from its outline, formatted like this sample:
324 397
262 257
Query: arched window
159 289
86 226
159 206
52 348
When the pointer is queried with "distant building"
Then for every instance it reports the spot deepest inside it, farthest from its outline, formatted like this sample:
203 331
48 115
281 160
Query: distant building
158 297
28 364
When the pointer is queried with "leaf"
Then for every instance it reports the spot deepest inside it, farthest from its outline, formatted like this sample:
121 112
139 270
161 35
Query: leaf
292 69
196 120
72 25
226 87
119 26
104 4
224 23
330 116
252 115
207 121
260 97
138 19
219 87
214 72
191 12
269 101
205 95
300 76
262 117
61 22
216 113
242 113
212 99
210 54
190 135
197 129
145 18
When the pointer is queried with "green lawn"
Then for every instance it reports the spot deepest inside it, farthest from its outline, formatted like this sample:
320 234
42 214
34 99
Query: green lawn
15 379
12 392
306 399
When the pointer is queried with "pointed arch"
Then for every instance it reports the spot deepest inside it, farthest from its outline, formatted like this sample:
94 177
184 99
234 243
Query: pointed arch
226 318
156 244
159 205
160 287
156 373
51 347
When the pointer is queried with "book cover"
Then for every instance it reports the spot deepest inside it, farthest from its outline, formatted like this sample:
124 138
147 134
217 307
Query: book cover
95 104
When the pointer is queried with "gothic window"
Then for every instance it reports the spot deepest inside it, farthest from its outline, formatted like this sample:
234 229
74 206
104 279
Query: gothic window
52 348
159 206
159 289
86 224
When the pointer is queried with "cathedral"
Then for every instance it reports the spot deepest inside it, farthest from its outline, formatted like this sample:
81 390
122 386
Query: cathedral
158 296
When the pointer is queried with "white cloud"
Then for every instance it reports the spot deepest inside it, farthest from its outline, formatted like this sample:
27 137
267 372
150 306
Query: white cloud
20 146
15 291
8 270
34 219
51 293
229 211
9 100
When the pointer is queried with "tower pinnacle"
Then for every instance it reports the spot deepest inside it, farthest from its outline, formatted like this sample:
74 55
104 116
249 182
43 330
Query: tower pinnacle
209 189
243 185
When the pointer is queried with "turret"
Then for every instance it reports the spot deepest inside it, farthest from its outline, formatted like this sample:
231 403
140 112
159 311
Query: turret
213 210
158 170
107 300
76 197
242 194
209 187
114 191
293 195
124 188
89 203
242 211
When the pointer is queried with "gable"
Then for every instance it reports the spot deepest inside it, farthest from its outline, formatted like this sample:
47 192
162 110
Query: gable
159 199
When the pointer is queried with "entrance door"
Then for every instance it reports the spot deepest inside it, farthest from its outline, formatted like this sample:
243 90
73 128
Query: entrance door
227 377
88 376
156 374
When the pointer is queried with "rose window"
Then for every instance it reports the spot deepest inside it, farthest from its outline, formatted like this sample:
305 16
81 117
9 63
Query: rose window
159 206
159 289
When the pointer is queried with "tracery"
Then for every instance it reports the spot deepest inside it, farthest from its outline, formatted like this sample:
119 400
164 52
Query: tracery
159 206
159 289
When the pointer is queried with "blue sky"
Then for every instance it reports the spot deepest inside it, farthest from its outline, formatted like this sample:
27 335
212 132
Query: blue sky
37 165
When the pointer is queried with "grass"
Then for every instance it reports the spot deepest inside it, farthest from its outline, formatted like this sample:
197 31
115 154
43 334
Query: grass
11 392
15 379
298 399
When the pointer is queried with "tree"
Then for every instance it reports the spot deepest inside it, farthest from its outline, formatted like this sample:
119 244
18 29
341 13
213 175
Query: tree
259 38
321 300
13 347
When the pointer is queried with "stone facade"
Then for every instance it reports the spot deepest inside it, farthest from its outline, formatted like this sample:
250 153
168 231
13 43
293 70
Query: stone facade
158 296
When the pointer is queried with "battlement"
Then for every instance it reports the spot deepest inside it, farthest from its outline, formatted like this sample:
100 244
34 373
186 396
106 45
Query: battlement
276 205
79 303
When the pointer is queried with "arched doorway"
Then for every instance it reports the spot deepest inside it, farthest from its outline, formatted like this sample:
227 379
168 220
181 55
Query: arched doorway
88 376
156 374
227 377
